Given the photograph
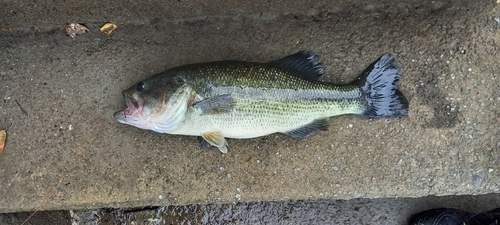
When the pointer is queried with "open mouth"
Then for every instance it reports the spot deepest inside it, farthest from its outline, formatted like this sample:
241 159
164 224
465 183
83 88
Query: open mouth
134 104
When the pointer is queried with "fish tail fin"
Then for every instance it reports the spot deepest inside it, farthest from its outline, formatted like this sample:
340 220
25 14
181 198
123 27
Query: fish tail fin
379 84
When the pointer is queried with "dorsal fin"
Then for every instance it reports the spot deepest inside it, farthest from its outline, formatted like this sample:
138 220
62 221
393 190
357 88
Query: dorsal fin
306 62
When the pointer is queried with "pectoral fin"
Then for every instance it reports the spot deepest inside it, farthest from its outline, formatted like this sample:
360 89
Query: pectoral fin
216 139
304 131
216 104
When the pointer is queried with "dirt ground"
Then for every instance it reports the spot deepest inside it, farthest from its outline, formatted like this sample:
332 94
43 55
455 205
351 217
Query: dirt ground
64 149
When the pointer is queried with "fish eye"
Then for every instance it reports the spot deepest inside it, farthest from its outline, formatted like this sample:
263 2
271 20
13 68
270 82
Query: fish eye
140 86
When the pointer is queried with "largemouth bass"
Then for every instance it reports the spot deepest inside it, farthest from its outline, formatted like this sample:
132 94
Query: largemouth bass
234 99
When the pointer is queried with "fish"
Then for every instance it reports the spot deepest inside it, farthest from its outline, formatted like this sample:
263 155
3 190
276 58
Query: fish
239 99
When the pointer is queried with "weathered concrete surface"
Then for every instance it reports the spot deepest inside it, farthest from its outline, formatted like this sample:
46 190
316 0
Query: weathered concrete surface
68 152
381 211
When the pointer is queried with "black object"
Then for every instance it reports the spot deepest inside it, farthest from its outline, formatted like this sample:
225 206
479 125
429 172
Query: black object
449 216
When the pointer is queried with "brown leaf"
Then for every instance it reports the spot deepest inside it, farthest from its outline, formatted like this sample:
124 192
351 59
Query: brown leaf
108 28
3 137
75 28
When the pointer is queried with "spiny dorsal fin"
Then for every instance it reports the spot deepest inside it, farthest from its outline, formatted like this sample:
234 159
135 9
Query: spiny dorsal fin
305 62
304 131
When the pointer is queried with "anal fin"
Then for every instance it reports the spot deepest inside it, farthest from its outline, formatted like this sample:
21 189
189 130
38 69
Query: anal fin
304 131
216 139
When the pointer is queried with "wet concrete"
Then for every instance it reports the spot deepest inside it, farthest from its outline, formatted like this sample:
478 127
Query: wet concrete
65 151
323 211
36 218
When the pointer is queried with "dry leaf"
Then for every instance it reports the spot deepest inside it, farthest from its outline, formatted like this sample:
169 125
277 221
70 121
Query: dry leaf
108 28
3 137
75 28
6 29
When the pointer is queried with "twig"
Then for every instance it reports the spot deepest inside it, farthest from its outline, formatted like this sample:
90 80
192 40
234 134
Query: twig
29 217
22 109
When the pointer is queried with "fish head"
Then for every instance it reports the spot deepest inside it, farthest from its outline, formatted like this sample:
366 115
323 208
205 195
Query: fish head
155 104
143 104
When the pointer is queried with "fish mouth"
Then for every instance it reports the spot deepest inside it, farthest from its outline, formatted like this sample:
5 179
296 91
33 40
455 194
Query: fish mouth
135 104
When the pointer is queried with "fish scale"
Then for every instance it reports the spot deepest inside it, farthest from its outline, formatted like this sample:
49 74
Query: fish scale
273 114
246 74
275 105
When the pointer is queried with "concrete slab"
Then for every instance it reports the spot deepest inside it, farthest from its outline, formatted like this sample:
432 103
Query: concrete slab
67 152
